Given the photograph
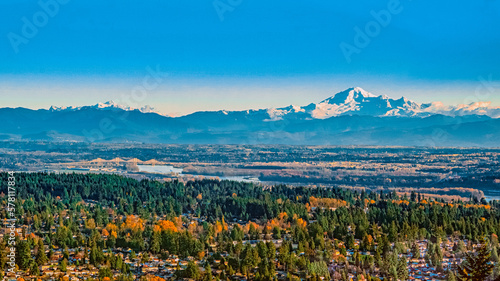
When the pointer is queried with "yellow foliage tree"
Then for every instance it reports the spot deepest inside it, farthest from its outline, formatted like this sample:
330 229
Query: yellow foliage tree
90 224
327 202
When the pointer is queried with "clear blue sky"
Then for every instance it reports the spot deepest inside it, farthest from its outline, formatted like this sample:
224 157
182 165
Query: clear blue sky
255 54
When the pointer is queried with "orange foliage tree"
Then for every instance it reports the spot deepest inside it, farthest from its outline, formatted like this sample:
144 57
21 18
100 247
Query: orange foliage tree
166 225
134 223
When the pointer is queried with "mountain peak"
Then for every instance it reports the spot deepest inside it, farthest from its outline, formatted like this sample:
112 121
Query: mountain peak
355 94
360 102
110 103
361 92
106 105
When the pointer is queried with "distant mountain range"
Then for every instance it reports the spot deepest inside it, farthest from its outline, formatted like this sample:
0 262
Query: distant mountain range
356 101
351 117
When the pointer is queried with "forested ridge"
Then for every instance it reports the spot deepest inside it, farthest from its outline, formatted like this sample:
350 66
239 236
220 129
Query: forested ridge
361 233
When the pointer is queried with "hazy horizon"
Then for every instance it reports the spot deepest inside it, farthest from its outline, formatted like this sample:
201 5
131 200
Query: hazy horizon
246 55
180 98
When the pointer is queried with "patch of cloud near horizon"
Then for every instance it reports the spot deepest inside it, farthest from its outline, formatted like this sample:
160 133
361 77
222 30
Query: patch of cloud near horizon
475 108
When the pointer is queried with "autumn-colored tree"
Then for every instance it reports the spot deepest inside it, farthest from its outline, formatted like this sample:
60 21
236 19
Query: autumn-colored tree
251 225
111 226
90 224
167 225
134 223
301 223
327 202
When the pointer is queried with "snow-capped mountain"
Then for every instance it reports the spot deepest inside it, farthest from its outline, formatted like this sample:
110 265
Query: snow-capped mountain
353 101
360 102
106 105
351 117
356 101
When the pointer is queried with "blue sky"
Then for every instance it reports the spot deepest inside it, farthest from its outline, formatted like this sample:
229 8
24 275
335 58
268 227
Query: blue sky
253 54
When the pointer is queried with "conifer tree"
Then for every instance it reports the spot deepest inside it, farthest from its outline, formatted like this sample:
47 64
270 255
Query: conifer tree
403 273
41 258
450 276
477 266
208 272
